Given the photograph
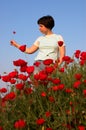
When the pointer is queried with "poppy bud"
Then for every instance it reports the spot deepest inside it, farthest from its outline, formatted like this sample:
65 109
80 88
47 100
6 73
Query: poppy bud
14 32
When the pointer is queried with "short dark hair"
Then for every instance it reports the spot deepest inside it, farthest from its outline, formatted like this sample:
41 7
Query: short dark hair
47 21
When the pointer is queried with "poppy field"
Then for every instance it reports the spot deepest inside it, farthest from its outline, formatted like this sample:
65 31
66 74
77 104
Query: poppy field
53 99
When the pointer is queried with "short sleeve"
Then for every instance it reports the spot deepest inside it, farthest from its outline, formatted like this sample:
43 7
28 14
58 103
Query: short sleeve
60 38
37 42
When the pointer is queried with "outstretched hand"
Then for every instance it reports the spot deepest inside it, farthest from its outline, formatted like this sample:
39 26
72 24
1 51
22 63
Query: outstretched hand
13 43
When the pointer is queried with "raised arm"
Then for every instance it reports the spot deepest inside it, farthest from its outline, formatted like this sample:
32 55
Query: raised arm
29 50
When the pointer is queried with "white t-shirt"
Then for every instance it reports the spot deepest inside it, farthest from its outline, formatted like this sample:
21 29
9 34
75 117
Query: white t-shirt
48 46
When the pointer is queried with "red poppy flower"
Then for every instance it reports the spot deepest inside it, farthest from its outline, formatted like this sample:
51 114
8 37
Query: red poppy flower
40 121
84 81
13 74
48 114
49 129
78 76
69 127
68 112
30 69
22 48
68 90
42 76
28 90
49 69
56 80
71 103
77 53
5 78
1 128
43 94
60 43
61 86
22 77
84 92
83 56
76 84
51 99
47 61
3 90
82 62
66 58
23 68
62 69
19 62
10 96
20 86
20 124
12 81
37 63
81 127
55 88
36 76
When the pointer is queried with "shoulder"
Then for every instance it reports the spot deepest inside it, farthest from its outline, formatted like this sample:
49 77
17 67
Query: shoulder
60 38
39 38
37 41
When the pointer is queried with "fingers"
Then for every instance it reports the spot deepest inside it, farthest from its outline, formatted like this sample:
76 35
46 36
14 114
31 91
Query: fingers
11 42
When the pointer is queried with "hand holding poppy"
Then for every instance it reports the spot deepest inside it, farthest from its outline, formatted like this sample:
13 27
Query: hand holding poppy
22 48
60 43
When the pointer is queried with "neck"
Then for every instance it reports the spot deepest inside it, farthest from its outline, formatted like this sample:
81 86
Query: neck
49 32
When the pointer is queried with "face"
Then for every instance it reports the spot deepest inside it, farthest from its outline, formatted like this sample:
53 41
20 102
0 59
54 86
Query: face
43 29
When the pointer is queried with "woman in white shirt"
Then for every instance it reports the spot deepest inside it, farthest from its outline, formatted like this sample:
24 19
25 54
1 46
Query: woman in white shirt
50 45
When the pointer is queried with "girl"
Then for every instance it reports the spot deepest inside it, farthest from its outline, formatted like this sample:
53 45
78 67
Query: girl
50 45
